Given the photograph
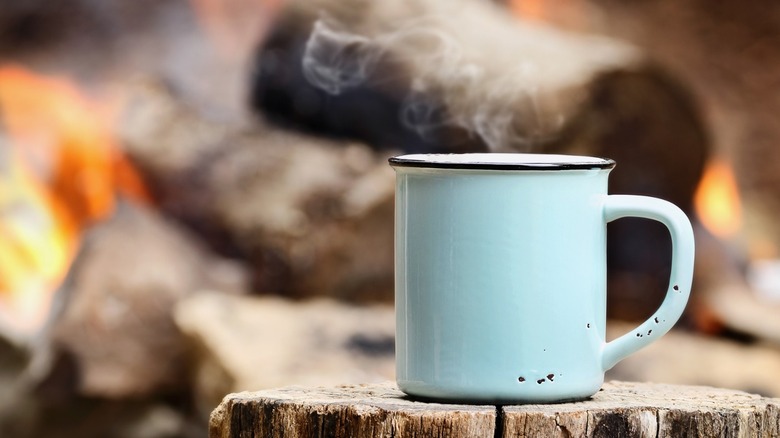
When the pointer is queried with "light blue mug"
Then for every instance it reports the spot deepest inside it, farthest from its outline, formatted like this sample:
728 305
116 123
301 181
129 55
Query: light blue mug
501 276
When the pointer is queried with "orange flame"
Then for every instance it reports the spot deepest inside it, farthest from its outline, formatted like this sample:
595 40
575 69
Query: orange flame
529 9
717 200
60 170
567 14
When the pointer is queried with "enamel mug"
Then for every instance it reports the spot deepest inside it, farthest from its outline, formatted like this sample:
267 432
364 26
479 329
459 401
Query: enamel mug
501 276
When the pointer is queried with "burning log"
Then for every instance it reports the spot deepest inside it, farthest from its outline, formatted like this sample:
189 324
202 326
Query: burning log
110 358
106 333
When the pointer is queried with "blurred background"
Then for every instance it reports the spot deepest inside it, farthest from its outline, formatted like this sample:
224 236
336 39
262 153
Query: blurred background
195 198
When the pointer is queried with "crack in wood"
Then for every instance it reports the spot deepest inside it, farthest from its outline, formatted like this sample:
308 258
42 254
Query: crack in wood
498 431
622 409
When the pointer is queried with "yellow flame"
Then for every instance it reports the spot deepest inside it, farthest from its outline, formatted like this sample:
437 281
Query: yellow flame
59 171
34 250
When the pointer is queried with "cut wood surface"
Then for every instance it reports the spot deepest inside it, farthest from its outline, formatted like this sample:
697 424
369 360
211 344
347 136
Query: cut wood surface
620 409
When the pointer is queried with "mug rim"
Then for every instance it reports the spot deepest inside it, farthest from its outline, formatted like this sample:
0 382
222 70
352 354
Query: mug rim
502 161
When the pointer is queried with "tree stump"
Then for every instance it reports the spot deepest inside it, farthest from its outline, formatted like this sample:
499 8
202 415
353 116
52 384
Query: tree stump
620 409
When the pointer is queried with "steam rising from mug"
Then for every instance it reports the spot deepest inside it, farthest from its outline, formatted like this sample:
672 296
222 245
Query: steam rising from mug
448 88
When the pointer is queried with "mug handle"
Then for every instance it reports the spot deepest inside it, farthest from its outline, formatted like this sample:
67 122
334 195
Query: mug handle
619 206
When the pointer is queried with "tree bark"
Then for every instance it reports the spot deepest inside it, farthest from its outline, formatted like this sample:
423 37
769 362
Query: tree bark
620 409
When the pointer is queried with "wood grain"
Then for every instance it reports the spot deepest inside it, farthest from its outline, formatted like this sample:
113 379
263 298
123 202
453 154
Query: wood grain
620 409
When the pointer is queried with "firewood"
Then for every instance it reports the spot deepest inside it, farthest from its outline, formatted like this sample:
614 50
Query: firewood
330 233
500 83
112 321
269 341
515 85
724 54
310 216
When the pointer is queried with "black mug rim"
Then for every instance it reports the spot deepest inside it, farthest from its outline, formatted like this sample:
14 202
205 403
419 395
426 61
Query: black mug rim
502 161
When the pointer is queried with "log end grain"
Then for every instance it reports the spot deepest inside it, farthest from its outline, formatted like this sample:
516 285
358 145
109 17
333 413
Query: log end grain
619 409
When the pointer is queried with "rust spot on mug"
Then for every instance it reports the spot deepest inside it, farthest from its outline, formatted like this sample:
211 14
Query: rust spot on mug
656 320
551 376
540 381
521 379
677 288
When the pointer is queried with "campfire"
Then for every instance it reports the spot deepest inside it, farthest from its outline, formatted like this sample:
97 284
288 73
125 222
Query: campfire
181 206
62 173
